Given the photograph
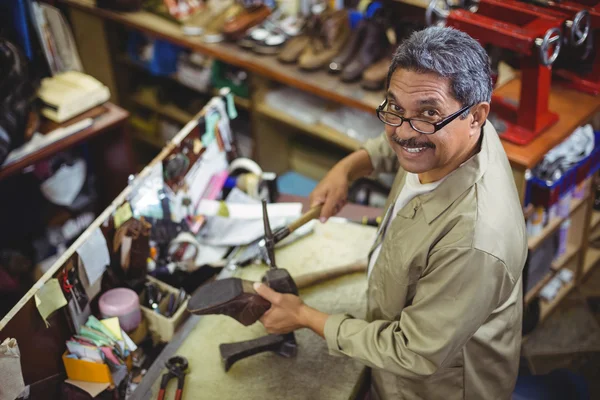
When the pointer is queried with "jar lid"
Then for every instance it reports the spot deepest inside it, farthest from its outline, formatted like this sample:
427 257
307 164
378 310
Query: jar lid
119 301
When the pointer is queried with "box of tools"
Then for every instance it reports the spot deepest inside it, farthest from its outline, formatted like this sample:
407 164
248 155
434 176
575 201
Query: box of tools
164 307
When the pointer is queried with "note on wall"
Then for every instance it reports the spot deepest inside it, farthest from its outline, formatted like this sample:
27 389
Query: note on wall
49 298
94 255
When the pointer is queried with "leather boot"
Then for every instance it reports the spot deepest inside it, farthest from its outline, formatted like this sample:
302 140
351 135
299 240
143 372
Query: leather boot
337 64
233 297
292 49
327 40
236 27
213 31
373 48
375 76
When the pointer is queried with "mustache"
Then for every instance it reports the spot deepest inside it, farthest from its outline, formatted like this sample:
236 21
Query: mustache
412 142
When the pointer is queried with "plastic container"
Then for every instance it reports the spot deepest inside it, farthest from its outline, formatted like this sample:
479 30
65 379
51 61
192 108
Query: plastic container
122 303
161 327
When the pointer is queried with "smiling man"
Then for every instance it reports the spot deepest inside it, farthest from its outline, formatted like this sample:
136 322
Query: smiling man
444 287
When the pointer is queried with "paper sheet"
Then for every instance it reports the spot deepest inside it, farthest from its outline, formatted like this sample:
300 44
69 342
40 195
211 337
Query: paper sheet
240 197
10 370
113 325
122 214
94 255
251 211
93 389
85 352
128 342
49 298
210 254
212 162
221 231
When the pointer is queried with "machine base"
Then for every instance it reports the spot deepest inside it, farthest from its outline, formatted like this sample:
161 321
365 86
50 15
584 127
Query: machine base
574 81
511 132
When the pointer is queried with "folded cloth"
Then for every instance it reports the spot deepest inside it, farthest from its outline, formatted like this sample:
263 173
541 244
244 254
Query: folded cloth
11 377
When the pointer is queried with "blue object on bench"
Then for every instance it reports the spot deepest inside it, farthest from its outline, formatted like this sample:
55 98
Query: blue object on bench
560 384
296 184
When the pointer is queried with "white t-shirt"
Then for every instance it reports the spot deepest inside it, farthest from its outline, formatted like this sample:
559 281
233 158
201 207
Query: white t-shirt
412 188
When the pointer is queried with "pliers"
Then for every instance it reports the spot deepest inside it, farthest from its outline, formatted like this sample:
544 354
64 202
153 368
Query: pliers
177 367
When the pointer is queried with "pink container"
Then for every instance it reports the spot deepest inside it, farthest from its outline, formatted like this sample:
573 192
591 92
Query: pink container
123 303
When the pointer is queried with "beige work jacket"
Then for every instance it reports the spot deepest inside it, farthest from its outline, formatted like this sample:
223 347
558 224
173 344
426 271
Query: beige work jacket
445 294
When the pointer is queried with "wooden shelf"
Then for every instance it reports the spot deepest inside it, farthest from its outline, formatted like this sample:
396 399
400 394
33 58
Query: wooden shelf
592 257
240 102
547 307
595 219
556 266
167 110
318 130
554 224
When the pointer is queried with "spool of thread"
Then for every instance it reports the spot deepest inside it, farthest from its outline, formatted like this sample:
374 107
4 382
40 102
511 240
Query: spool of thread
122 303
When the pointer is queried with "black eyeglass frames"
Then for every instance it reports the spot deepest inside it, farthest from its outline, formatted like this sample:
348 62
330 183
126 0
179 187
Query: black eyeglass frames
421 126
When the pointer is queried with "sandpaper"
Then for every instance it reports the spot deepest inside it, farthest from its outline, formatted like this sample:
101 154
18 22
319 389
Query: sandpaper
313 373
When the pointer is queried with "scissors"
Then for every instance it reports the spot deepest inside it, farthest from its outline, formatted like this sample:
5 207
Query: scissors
178 367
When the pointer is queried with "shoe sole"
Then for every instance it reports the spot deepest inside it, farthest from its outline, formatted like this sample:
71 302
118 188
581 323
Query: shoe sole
229 297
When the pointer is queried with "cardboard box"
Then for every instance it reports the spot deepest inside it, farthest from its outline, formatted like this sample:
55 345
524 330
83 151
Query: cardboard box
87 371
162 327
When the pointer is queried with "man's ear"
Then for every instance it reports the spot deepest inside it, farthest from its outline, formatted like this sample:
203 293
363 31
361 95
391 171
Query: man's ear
480 114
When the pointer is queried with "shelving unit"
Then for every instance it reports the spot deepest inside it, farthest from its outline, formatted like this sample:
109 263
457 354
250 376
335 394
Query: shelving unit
592 257
595 220
317 130
154 142
546 307
166 110
554 224
557 264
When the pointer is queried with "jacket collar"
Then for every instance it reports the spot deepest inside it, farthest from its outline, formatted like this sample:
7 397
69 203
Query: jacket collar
460 180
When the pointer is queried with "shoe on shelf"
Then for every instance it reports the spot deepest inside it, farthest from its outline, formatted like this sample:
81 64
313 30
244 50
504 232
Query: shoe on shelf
373 48
196 24
327 39
374 77
233 297
235 28
352 46
280 32
292 49
213 32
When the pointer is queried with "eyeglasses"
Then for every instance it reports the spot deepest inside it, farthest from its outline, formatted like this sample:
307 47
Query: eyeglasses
419 125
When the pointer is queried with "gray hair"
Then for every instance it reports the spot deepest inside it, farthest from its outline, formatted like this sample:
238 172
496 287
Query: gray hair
449 53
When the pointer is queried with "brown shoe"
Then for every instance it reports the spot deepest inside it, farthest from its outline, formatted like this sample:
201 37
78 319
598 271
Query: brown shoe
327 40
236 28
373 48
233 297
213 31
292 49
352 46
374 77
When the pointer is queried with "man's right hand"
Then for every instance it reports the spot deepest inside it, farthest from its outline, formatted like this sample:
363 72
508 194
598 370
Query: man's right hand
332 191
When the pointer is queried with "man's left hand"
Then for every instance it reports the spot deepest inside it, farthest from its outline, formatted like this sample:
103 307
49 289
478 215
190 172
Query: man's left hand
285 314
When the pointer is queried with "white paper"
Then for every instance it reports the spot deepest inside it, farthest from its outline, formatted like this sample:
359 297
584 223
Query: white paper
210 254
92 353
221 231
251 211
94 255
128 342
92 388
210 163
39 141
240 197
63 187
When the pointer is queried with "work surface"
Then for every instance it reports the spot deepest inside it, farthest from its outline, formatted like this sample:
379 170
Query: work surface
313 373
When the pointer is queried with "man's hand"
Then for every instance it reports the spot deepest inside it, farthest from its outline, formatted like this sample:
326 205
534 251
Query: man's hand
288 313
332 191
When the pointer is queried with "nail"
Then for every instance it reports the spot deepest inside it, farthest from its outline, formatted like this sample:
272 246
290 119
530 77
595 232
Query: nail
256 285
323 220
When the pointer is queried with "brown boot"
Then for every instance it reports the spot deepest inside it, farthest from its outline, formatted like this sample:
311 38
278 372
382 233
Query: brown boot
292 49
327 40
374 77
233 297
373 47
236 28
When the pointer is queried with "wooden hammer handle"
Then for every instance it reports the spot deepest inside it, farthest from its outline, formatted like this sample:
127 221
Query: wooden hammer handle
308 216
313 278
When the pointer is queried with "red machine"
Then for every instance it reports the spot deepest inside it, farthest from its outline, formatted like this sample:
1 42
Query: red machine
536 36
588 82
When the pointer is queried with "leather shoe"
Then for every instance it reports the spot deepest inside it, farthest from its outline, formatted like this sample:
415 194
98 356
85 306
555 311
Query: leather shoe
374 76
372 49
327 40
337 64
233 297
236 28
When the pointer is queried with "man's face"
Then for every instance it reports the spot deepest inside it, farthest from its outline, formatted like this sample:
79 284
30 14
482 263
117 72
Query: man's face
427 96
